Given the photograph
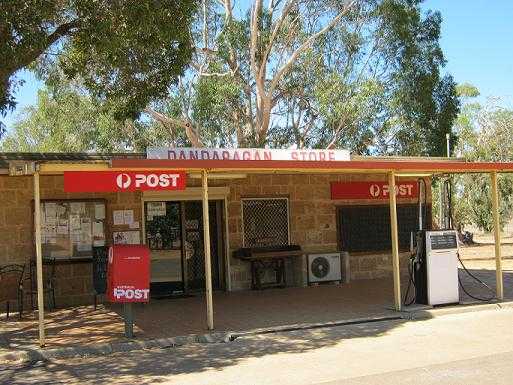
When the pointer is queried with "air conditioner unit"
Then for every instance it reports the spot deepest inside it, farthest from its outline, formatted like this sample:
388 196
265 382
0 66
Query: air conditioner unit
324 267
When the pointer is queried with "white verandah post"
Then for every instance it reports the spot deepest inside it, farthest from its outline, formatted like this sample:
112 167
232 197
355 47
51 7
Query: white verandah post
497 237
39 260
395 240
206 248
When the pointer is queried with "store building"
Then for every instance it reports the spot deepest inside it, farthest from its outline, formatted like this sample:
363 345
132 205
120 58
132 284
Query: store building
321 200
320 212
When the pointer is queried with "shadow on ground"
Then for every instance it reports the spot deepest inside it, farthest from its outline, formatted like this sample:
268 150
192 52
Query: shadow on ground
152 366
235 311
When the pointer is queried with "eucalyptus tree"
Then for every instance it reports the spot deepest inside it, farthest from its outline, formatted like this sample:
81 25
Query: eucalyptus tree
127 53
361 74
485 134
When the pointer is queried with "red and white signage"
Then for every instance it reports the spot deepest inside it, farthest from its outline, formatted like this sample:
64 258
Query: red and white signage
128 273
119 181
248 154
373 190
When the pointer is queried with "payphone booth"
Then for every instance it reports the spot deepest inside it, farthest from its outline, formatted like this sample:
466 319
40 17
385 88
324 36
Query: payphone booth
128 279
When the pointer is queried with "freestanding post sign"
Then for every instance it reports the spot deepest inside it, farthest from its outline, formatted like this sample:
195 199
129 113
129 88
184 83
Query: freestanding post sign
128 279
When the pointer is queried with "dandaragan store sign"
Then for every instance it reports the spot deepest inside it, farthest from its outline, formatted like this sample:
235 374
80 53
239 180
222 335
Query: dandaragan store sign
247 154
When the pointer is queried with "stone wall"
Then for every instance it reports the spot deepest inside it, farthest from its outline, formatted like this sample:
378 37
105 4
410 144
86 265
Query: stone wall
313 222
313 225
74 281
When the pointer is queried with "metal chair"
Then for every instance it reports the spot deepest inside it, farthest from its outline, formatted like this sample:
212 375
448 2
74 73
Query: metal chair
48 282
11 286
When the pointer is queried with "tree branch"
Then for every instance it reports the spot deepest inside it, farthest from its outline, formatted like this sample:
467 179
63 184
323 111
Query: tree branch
31 55
169 122
279 23
257 9
286 67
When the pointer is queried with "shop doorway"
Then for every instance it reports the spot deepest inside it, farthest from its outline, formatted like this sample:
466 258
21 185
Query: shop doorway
174 233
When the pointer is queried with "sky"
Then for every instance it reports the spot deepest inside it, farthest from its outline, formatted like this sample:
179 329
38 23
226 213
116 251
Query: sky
477 40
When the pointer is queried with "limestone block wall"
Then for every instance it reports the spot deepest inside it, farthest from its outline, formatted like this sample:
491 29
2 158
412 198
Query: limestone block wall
73 281
313 222
313 225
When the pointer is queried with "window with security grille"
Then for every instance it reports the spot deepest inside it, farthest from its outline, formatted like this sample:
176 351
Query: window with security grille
265 221
367 228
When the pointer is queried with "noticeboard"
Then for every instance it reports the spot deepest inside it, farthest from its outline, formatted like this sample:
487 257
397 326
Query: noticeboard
71 228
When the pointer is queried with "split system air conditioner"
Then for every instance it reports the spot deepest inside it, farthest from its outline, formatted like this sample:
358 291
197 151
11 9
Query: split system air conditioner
324 267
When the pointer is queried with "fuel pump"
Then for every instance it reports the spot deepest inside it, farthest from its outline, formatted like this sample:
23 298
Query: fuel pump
433 263
434 257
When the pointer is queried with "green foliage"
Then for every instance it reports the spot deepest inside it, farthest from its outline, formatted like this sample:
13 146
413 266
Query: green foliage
66 119
370 84
66 122
485 134
127 53
214 105
467 90
473 204
424 104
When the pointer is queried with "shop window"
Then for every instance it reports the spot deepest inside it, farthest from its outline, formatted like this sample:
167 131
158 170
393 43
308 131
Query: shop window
265 222
367 228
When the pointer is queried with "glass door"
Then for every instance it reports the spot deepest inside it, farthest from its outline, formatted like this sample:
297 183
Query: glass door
174 234
194 251
164 238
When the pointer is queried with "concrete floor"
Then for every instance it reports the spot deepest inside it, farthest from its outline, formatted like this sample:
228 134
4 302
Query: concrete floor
235 311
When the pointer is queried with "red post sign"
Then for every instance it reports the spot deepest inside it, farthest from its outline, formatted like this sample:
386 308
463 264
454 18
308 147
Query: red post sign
118 181
128 273
372 190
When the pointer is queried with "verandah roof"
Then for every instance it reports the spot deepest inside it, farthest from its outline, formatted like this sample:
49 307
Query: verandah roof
59 162
363 165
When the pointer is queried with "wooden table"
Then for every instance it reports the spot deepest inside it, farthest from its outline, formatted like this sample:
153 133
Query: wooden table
270 260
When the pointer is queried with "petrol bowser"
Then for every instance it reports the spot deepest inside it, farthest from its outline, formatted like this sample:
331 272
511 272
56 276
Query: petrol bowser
128 278
436 267
434 261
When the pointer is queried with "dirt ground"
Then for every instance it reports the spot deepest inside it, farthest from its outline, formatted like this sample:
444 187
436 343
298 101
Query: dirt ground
484 247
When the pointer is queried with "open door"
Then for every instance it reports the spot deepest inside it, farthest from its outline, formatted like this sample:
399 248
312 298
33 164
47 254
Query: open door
174 233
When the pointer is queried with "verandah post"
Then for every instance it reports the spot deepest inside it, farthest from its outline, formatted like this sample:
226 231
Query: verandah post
206 245
497 236
395 240
39 260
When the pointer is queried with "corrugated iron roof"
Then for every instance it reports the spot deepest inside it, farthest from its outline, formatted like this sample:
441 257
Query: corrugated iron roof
5 157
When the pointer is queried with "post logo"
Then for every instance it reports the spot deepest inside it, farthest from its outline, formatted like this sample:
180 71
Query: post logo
401 190
374 190
123 180
129 293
